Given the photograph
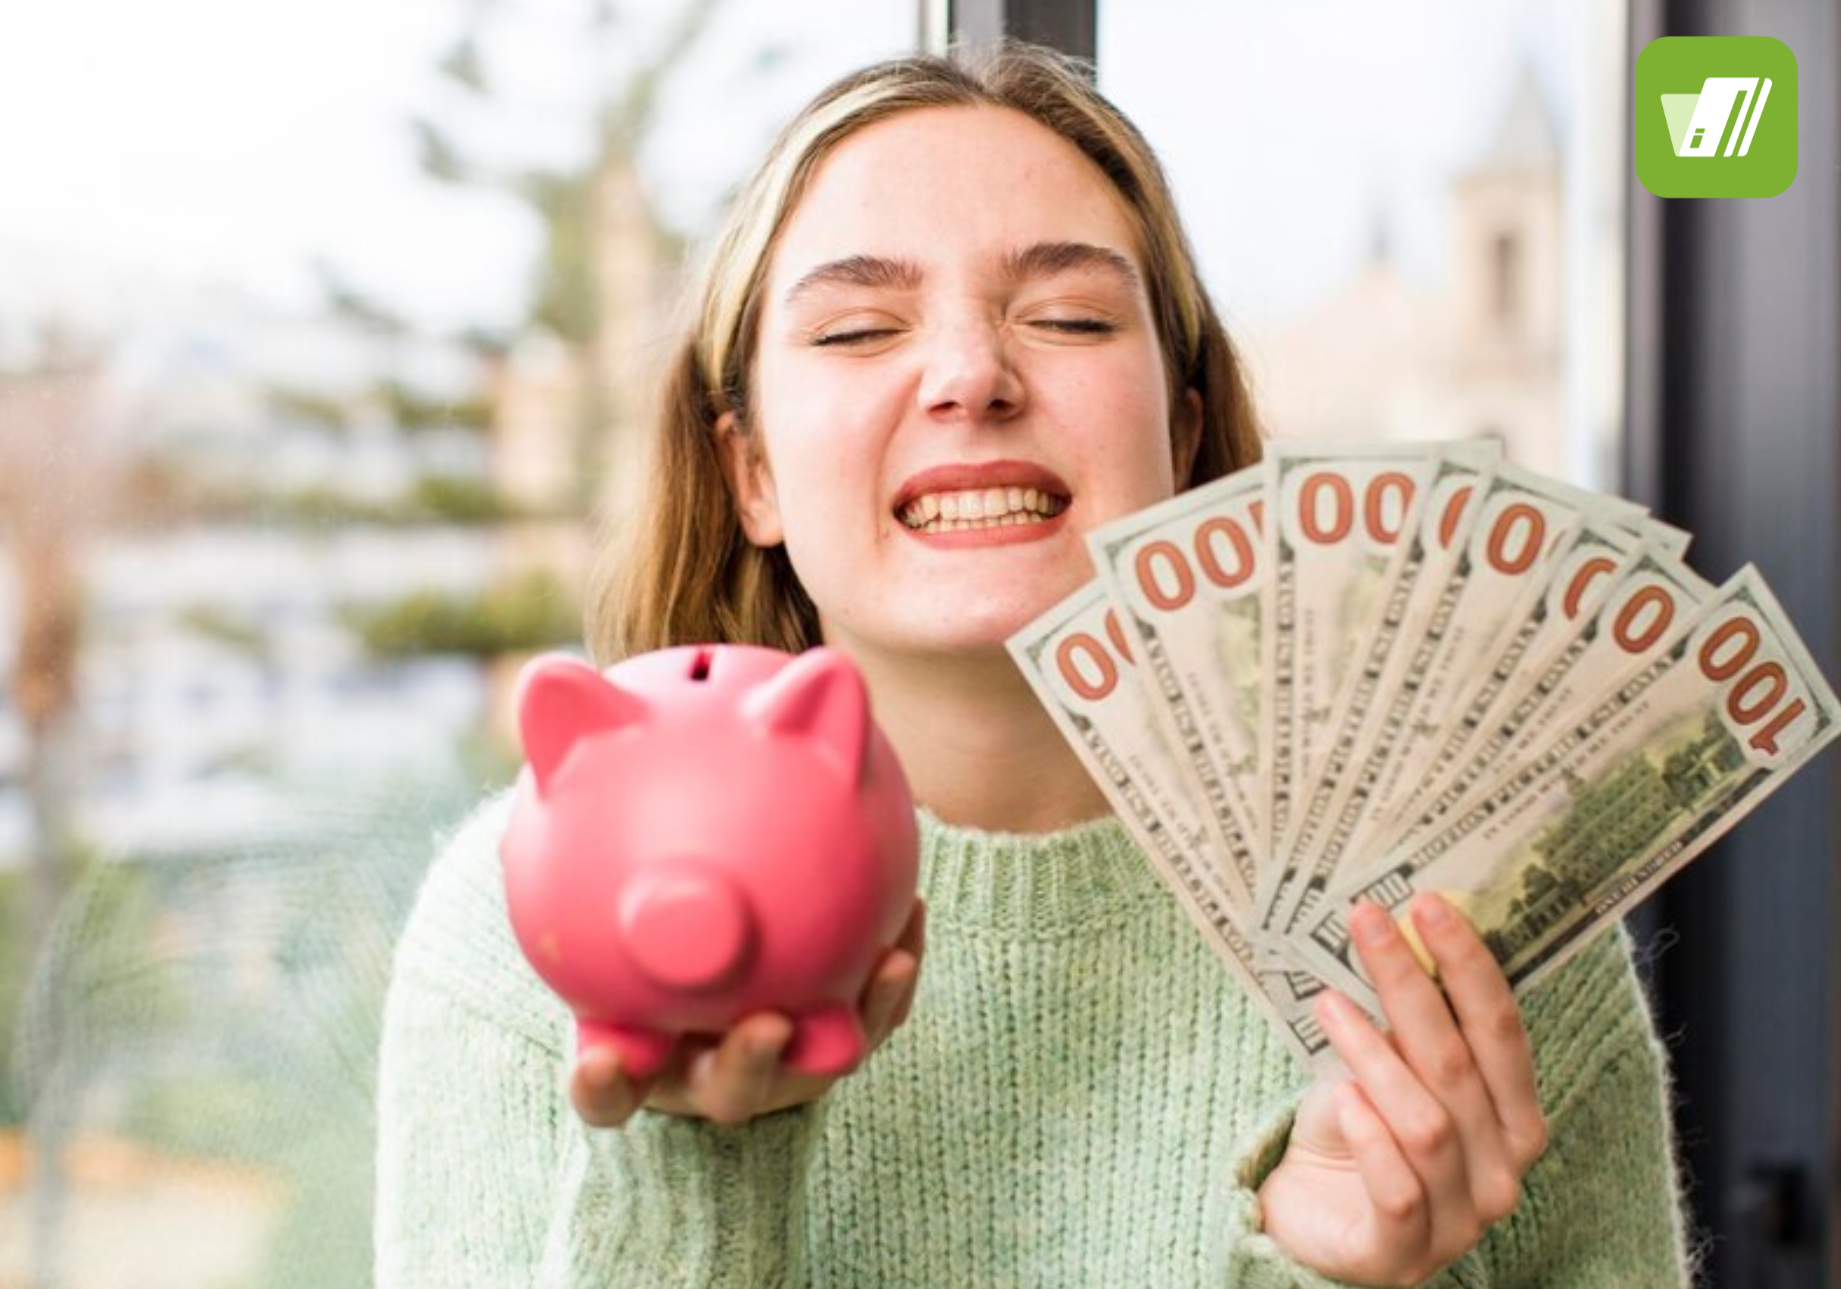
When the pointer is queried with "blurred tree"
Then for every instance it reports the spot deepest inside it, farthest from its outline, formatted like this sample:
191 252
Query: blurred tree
534 611
55 486
601 244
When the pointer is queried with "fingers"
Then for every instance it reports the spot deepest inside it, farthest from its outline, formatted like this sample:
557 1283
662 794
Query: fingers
739 1077
602 1096
913 936
1424 1131
1394 1189
913 941
1491 1021
890 993
1439 1053
1444 1054
732 1082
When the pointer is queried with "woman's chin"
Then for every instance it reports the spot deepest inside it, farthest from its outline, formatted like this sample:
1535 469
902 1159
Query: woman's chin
980 635
963 617
986 631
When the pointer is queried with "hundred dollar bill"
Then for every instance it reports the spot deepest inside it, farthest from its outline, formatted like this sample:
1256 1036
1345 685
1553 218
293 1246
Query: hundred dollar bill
1678 751
1599 558
1666 538
1628 626
1076 658
1377 692
1186 575
1336 517
1523 529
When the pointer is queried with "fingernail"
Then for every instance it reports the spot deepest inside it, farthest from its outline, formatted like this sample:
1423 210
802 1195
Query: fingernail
771 1038
1369 924
1333 1008
600 1067
897 977
1433 911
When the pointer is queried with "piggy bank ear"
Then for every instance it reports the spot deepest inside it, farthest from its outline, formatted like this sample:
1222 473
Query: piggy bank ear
819 696
560 701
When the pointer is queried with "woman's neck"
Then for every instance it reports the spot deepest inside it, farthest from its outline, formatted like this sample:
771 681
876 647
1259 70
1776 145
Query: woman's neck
977 746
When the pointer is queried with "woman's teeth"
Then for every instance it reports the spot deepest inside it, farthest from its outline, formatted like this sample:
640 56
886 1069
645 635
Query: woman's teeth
945 512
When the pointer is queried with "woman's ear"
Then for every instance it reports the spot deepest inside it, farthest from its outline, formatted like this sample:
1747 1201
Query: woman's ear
1185 436
750 481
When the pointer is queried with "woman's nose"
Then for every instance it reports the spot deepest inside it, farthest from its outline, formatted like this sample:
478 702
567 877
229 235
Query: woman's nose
970 374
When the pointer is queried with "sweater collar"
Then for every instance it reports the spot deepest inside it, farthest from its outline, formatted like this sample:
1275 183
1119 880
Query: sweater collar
1032 882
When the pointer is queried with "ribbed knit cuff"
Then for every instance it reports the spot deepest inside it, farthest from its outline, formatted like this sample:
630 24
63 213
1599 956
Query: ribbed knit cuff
668 1200
1252 1259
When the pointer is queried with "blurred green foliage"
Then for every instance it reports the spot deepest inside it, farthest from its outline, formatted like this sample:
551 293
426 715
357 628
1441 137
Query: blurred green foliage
533 612
402 405
15 966
435 499
227 627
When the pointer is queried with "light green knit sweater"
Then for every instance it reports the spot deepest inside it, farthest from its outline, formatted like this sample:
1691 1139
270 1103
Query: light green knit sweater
1081 1096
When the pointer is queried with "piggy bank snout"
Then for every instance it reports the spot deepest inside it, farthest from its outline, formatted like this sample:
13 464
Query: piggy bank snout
687 928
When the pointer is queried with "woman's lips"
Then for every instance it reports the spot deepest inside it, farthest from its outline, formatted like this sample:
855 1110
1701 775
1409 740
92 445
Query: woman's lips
969 476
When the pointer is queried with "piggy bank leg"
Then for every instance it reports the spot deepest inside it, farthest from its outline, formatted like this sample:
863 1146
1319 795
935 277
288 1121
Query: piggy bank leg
643 1052
826 1042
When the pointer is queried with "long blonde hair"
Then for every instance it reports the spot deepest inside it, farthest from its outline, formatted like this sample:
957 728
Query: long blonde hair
688 574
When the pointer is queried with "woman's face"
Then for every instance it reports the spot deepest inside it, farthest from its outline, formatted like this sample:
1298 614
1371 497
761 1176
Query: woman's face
955 323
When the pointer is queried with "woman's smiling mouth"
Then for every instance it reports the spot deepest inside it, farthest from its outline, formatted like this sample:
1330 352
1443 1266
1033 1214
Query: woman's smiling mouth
953 511
999 500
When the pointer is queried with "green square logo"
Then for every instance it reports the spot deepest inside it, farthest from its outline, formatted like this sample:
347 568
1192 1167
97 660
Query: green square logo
1715 116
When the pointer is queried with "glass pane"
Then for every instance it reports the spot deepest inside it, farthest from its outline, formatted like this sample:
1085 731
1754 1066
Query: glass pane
322 330
1411 215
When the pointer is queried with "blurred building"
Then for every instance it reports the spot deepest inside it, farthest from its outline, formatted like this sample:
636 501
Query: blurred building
215 667
1385 359
569 417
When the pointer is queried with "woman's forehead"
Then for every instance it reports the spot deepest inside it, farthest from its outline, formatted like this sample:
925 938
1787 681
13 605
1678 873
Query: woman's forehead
935 189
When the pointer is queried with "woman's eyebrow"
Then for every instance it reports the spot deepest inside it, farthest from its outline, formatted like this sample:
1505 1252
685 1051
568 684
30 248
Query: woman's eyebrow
1040 260
858 270
1047 259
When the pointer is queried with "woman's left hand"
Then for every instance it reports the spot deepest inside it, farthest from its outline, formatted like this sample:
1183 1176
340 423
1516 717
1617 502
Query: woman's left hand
1398 1168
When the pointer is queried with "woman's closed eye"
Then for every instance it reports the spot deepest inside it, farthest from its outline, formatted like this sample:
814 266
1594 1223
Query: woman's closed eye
1074 319
1076 326
850 335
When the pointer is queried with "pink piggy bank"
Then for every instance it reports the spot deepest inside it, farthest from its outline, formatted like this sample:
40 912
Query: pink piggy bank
704 832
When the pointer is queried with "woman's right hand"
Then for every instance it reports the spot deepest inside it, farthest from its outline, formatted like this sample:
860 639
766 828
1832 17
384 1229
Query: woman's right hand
734 1077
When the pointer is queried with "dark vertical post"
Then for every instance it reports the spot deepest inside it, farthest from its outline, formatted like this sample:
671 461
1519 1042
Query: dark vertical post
1736 434
1071 26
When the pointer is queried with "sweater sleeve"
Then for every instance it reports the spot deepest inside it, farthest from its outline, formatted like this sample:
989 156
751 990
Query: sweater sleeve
1600 1210
486 1175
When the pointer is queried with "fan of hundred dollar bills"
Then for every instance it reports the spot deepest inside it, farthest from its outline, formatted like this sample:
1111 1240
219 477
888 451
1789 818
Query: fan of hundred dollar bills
1363 671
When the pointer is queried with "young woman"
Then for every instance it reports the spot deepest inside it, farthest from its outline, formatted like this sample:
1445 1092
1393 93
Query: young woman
948 281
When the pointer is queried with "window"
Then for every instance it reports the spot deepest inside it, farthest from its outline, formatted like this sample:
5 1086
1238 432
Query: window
1412 227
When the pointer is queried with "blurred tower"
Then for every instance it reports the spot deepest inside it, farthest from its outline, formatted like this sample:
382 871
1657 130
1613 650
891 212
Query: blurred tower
537 404
633 284
538 415
1507 273
1381 358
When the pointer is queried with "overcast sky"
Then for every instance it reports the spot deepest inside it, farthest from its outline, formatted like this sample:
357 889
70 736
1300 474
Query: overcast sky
239 141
